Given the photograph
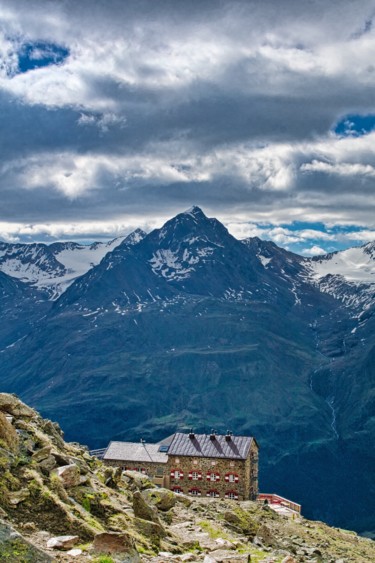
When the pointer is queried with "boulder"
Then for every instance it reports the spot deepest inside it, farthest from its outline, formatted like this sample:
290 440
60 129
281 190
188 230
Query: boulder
12 405
69 475
41 454
289 559
142 509
12 543
47 464
163 499
152 530
62 542
116 543
137 481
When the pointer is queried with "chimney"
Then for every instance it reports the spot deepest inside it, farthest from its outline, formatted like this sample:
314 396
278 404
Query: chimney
191 435
228 436
213 435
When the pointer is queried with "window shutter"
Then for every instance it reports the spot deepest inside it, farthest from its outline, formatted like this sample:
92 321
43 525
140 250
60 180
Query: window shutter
235 478
172 473
208 476
227 477
181 474
199 476
190 475
217 477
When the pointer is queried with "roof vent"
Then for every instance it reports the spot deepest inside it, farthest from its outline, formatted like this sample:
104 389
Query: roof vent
191 434
213 435
228 436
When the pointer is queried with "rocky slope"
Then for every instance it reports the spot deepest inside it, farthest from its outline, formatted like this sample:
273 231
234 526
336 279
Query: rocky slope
58 503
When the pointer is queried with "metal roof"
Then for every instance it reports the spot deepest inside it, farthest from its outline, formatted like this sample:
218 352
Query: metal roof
201 445
135 452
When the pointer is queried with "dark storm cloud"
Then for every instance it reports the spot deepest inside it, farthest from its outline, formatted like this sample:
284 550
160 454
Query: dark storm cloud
157 105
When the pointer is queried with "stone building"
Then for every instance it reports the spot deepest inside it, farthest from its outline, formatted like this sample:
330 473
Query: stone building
207 465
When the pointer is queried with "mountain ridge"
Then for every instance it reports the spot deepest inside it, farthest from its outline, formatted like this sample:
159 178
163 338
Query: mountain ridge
190 327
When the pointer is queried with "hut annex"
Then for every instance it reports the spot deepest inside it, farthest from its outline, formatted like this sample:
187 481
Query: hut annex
207 465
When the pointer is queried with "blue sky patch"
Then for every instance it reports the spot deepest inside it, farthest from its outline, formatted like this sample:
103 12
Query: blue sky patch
355 125
39 55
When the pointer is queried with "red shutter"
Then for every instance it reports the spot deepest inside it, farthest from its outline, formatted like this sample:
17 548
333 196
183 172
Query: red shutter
235 478
190 475
227 477
199 476
172 473
208 476
181 474
217 477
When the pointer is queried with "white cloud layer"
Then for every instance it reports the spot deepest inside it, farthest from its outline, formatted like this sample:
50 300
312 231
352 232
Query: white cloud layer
158 106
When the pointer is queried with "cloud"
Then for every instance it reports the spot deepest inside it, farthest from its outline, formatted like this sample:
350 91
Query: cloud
153 107
313 251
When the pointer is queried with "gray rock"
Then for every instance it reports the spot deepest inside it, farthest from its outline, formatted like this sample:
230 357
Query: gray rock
41 454
11 542
163 499
62 542
143 510
47 464
13 406
69 475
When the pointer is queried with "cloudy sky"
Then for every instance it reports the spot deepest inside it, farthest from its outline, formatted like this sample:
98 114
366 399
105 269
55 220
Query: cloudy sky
119 113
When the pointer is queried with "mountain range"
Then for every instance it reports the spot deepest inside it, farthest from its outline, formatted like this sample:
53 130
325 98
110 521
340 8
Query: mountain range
189 327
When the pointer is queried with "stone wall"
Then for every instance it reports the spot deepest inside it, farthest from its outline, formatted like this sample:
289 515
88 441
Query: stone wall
186 481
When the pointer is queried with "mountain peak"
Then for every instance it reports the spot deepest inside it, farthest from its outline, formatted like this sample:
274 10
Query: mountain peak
195 211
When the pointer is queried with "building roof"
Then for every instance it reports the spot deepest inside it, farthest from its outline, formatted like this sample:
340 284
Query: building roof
137 452
201 445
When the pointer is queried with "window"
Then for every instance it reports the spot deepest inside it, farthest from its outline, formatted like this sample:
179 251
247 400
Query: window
213 493
177 490
232 495
177 474
211 476
231 478
195 492
195 475
159 471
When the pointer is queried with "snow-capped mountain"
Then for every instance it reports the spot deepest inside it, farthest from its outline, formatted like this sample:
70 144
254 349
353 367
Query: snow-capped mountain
348 275
192 326
52 268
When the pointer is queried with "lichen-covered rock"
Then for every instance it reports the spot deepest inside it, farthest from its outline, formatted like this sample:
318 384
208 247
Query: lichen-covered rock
62 542
116 543
152 530
47 464
144 510
41 454
69 475
136 480
163 499
12 405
